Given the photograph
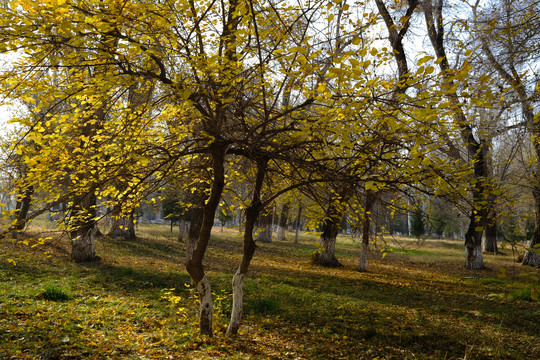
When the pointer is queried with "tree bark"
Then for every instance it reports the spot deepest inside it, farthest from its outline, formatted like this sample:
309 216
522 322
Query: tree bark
82 228
194 265
298 216
490 228
23 207
490 233
334 215
326 256
197 214
265 227
182 227
252 212
206 309
83 247
532 256
282 225
366 230
123 227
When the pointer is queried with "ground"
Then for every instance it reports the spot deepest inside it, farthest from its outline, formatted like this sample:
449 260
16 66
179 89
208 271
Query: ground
137 302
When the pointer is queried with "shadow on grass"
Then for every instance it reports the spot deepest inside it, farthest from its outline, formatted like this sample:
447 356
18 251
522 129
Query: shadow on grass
132 280
148 248
310 297
334 313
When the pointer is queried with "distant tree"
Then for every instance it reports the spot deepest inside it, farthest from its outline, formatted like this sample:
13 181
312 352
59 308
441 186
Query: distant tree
224 215
282 224
418 227
265 225
172 209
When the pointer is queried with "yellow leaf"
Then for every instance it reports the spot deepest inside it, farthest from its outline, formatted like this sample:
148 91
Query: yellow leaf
424 60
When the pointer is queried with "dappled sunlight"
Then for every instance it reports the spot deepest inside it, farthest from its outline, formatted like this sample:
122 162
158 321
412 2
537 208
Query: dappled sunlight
138 299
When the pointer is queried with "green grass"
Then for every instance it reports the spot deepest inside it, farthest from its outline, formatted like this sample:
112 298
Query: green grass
137 302
54 293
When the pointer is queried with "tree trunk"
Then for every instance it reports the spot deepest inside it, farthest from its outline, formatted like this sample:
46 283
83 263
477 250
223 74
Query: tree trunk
298 216
194 231
490 227
532 256
82 228
490 233
123 227
182 227
131 226
366 230
23 206
194 265
265 227
206 309
476 151
513 77
473 244
326 256
237 307
331 224
249 249
282 225
240 220
83 247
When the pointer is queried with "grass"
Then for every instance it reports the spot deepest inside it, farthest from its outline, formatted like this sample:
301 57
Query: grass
54 293
137 302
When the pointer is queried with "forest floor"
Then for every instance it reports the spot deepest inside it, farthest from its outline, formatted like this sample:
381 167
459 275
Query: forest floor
136 302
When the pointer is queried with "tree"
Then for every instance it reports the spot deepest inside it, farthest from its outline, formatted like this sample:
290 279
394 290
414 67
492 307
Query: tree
282 224
508 34
224 215
172 209
303 103
418 225
476 151
265 225
369 202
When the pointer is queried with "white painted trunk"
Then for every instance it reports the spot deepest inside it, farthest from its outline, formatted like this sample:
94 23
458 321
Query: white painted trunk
181 230
238 294
362 264
206 309
473 257
409 223
280 234
265 234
